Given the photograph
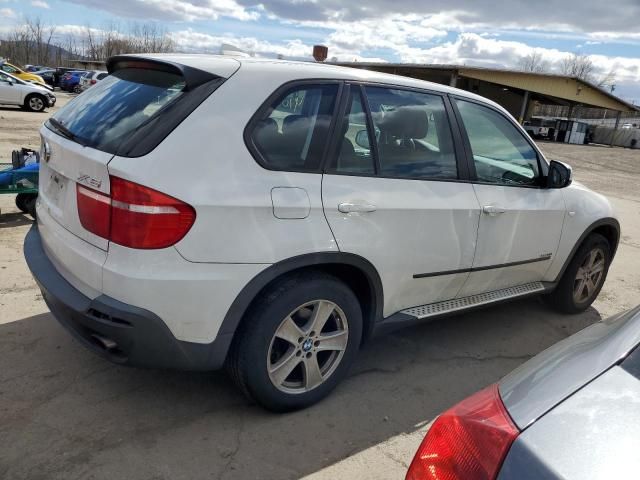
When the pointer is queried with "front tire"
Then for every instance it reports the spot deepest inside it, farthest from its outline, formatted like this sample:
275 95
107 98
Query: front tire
297 342
584 277
35 103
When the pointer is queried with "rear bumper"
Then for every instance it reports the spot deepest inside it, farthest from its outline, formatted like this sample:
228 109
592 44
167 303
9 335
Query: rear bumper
119 332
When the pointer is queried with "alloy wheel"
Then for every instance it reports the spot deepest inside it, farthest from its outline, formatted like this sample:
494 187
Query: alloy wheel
589 276
307 347
36 103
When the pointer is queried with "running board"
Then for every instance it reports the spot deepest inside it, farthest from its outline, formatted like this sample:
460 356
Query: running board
440 308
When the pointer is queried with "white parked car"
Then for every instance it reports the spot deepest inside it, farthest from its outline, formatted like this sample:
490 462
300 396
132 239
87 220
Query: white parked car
89 79
272 216
30 96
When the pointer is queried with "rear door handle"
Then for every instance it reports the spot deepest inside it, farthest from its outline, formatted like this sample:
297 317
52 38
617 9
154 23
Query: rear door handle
493 210
348 207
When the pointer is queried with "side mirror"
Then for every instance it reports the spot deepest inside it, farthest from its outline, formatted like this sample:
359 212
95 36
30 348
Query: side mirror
362 139
560 175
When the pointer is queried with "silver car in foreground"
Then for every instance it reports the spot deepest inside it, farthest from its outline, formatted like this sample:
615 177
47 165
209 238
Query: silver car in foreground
572 412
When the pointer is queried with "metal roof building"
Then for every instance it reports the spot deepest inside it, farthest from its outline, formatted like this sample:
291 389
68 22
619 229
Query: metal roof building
516 91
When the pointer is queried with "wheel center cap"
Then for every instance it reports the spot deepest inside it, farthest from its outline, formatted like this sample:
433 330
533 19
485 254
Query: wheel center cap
306 346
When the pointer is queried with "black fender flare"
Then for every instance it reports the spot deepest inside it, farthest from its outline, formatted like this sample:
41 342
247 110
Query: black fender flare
603 222
243 300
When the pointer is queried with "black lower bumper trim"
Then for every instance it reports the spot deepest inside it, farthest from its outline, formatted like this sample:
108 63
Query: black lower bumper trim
117 331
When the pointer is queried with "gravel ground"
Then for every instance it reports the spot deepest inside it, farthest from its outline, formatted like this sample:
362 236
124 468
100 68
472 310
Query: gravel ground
67 414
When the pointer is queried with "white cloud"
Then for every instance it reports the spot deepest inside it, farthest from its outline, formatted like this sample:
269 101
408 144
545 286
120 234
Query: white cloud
192 41
472 48
7 13
393 32
614 36
40 4
174 10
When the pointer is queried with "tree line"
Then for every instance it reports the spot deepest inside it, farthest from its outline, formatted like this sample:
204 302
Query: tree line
34 42
573 65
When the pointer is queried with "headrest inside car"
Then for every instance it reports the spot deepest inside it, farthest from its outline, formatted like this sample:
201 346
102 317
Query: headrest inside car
405 122
293 123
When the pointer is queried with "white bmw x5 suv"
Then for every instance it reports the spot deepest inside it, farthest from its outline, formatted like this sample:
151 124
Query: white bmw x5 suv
205 211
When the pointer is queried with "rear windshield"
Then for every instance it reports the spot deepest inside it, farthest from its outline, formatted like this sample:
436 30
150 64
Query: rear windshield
107 113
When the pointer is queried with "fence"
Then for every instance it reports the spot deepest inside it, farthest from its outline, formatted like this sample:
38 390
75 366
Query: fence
622 137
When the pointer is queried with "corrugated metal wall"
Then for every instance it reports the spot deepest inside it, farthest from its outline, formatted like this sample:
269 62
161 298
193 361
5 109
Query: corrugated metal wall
622 137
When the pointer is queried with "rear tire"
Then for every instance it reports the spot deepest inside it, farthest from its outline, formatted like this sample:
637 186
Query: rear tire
22 199
584 277
288 374
30 204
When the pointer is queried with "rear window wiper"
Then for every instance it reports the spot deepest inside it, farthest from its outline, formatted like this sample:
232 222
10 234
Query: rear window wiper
65 131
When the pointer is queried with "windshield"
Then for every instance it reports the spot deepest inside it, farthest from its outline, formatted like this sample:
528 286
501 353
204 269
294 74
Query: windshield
5 77
106 114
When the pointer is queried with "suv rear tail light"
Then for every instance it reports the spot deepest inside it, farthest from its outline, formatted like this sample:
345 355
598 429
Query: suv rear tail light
93 81
134 216
94 210
467 442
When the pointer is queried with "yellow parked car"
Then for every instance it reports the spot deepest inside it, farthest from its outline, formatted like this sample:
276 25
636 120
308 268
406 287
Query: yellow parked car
21 74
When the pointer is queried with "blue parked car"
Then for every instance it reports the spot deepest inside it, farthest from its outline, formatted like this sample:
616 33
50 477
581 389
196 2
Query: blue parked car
70 81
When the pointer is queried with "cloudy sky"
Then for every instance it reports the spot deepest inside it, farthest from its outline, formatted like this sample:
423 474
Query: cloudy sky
473 32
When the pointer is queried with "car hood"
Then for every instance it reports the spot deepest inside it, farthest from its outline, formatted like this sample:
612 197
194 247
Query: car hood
31 77
543 382
39 86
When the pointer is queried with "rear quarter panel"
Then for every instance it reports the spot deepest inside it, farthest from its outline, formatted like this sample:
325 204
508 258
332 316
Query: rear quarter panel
206 163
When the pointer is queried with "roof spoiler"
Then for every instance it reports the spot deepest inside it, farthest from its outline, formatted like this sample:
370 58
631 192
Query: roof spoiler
193 77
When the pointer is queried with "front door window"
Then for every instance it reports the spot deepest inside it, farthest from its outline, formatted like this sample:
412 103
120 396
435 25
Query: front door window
501 154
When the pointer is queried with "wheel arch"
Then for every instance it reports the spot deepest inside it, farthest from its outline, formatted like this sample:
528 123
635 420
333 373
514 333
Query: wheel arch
607 227
358 273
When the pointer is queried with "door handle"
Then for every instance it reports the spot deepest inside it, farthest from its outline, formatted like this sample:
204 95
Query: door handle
492 210
348 207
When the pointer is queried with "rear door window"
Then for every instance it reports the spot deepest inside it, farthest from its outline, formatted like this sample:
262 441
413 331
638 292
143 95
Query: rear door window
413 134
292 133
104 115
